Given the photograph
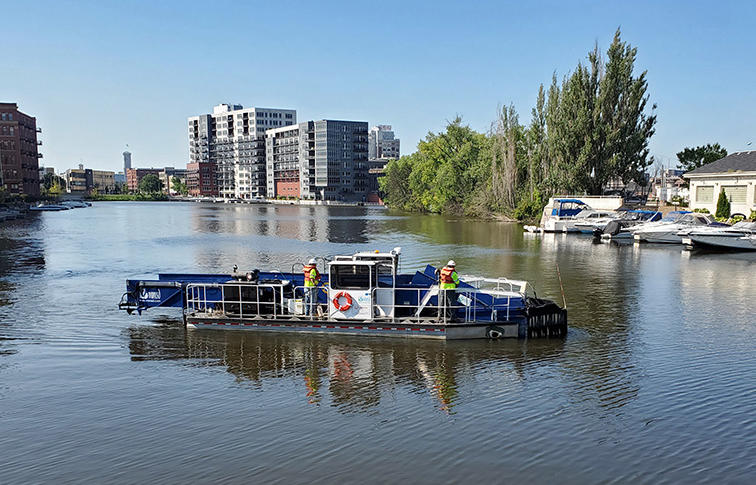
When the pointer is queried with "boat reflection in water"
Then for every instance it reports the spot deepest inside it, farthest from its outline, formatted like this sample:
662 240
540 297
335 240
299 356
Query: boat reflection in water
353 374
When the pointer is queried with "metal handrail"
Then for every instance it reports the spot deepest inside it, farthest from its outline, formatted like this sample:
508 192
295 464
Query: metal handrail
197 301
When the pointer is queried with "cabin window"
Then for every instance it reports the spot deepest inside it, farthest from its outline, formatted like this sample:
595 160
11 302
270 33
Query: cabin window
736 193
705 194
350 277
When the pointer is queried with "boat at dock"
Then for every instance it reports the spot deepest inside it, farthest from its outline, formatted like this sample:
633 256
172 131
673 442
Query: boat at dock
669 232
624 229
739 236
360 294
624 219
561 214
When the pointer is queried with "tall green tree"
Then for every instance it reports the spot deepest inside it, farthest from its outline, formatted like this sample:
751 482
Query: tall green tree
695 157
447 170
150 184
624 122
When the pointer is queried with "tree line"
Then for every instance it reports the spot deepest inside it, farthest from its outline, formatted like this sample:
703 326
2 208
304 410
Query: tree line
591 127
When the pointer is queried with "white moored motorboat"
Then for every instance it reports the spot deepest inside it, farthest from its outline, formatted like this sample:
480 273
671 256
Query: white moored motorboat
669 232
737 236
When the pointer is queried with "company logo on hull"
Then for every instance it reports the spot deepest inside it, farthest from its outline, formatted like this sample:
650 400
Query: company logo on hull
149 295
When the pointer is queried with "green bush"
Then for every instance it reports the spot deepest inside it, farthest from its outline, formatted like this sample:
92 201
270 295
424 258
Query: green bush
529 208
753 215
702 211
723 206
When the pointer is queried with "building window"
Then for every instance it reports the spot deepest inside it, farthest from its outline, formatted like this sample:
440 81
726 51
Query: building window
736 193
705 194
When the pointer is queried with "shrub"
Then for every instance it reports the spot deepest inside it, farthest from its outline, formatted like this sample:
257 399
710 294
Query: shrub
702 211
753 215
529 208
723 206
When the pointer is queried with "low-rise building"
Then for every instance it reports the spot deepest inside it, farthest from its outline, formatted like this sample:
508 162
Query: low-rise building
734 174
77 181
135 175
81 181
167 176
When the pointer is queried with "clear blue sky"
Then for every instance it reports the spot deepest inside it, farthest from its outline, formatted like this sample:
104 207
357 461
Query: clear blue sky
99 75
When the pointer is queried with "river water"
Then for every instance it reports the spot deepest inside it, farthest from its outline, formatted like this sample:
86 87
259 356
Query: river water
655 382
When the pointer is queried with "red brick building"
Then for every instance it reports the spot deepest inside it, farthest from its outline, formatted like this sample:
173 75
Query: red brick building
19 158
200 179
135 175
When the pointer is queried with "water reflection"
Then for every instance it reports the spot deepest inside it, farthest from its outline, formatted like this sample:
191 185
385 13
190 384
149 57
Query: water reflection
352 374
304 223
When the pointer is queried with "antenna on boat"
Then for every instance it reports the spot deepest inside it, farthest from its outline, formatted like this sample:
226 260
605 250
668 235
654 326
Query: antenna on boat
559 274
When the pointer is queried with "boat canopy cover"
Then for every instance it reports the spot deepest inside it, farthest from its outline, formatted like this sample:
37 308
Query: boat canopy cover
568 207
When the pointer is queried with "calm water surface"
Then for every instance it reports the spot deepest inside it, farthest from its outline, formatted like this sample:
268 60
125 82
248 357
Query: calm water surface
656 381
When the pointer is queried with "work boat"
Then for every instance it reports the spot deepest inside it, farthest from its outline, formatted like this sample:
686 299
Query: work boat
669 232
739 236
361 294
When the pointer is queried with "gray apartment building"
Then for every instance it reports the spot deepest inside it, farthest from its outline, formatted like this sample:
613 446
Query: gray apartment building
322 160
232 138
382 145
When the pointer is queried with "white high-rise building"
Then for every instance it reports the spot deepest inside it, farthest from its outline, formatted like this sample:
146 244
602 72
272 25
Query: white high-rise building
233 138
382 144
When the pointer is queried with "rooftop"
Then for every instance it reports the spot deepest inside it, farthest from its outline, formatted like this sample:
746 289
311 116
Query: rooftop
734 162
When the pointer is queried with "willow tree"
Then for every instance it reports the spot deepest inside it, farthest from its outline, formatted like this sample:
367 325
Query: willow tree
506 133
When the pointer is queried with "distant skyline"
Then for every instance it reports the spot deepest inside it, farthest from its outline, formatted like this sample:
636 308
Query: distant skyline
101 75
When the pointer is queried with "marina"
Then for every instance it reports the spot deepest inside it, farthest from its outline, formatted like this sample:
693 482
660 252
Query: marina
694 230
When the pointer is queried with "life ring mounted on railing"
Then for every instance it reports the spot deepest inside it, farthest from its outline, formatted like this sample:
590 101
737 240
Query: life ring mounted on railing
337 301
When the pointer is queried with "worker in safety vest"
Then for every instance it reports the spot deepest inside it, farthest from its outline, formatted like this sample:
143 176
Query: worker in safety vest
311 281
448 282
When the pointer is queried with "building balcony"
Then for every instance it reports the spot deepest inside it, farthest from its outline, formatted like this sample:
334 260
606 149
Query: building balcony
39 130
39 155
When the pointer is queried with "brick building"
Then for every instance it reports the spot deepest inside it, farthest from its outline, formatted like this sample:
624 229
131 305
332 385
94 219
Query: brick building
135 175
19 156
201 179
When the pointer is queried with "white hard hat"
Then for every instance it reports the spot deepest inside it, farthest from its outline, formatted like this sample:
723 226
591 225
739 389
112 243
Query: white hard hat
312 261
451 263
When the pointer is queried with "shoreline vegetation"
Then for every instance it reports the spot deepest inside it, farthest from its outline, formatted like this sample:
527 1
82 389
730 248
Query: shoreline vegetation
591 128
139 196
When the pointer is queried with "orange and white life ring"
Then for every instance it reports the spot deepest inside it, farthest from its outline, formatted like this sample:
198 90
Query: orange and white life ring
337 301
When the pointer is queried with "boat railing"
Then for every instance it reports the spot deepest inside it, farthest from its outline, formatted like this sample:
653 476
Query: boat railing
496 284
447 305
197 299
274 301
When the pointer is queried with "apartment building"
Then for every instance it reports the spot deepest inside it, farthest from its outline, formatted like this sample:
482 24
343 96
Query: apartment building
382 144
19 155
232 138
322 160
